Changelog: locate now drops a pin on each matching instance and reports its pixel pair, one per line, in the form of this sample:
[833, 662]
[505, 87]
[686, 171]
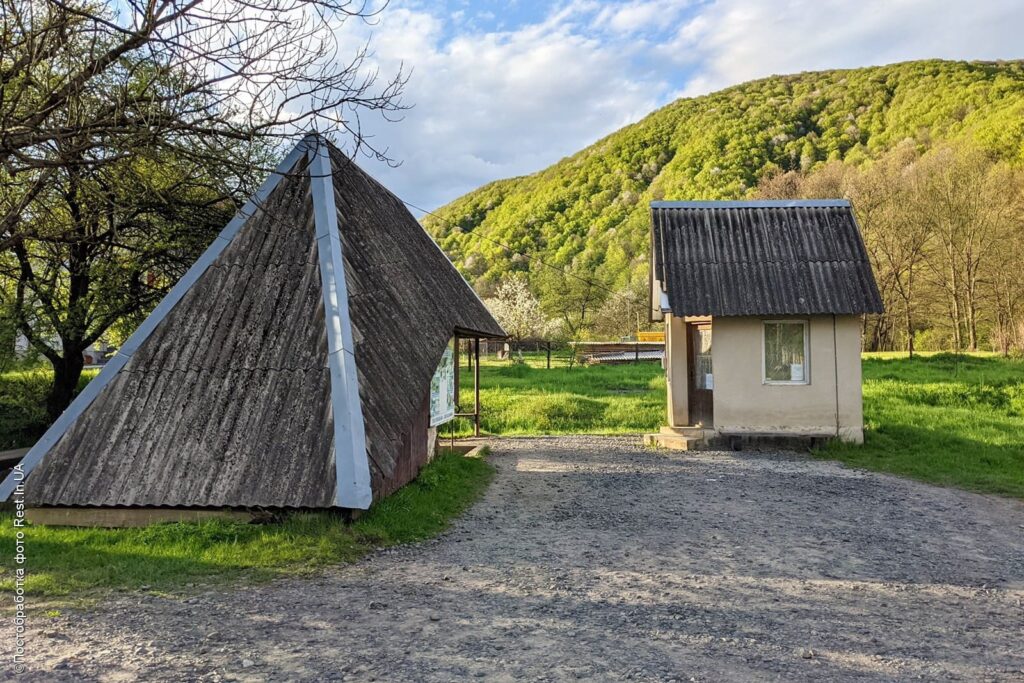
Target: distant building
[290, 368]
[780, 287]
[96, 354]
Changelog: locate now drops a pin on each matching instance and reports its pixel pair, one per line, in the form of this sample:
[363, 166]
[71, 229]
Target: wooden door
[702, 381]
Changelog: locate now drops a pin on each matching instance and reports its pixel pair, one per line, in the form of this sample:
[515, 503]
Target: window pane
[784, 352]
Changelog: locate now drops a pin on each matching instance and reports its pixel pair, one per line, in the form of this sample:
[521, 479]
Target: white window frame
[807, 353]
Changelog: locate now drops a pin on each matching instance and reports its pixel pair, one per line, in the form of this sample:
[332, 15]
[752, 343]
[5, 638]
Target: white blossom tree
[518, 310]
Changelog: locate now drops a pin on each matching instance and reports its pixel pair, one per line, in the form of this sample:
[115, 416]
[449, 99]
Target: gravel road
[594, 559]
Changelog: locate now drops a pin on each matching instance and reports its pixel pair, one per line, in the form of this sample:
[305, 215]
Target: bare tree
[896, 241]
[128, 134]
[184, 75]
[1004, 277]
[966, 200]
[624, 312]
[571, 297]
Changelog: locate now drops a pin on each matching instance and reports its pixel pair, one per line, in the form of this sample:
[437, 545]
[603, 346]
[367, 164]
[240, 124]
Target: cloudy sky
[507, 87]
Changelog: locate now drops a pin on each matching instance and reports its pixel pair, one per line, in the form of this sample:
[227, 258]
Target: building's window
[785, 352]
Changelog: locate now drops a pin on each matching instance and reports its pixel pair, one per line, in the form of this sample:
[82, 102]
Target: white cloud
[508, 101]
[638, 15]
[497, 104]
[737, 40]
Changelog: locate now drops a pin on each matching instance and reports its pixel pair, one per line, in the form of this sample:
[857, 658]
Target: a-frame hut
[290, 367]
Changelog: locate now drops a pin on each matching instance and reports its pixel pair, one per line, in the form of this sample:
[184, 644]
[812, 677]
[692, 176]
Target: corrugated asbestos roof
[762, 258]
[229, 394]
[405, 300]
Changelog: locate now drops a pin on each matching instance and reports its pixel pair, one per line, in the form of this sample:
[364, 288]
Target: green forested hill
[589, 211]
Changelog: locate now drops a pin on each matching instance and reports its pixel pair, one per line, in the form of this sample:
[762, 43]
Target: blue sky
[507, 88]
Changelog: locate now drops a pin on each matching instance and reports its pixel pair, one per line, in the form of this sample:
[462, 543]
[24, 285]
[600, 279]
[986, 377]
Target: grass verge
[953, 420]
[73, 565]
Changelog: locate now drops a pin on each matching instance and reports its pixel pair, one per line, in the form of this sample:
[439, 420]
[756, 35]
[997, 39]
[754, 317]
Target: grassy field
[521, 399]
[942, 418]
[69, 565]
[945, 419]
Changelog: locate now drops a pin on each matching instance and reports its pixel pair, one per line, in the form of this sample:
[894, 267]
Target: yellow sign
[650, 337]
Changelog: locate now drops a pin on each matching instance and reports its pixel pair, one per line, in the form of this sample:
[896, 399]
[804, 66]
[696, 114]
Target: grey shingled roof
[761, 258]
[288, 368]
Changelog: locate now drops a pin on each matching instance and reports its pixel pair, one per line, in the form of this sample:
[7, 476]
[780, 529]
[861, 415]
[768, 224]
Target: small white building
[762, 304]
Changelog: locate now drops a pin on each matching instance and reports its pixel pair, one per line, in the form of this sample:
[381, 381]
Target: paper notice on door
[796, 372]
[709, 381]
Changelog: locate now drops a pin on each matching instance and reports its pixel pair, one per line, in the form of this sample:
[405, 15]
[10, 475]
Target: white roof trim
[166, 305]
[351, 462]
[753, 204]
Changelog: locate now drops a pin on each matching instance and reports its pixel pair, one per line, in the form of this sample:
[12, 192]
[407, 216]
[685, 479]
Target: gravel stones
[592, 558]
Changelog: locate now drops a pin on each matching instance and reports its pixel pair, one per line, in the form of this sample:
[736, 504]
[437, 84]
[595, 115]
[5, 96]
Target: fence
[555, 354]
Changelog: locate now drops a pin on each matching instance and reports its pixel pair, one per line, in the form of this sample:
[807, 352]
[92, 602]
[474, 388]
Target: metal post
[458, 344]
[476, 386]
[548, 345]
[636, 354]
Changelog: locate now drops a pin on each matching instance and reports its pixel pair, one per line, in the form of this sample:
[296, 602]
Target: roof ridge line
[351, 460]
[751, 204]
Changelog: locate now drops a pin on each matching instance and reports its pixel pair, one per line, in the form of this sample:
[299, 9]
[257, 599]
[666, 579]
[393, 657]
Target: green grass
[954, 420]
[944, 419]
[72, 564]
[523, 399]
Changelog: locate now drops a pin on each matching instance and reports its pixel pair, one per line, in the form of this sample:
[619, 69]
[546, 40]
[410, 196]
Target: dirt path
[590, 558]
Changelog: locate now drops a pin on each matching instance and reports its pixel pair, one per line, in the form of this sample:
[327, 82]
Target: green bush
[23, 417]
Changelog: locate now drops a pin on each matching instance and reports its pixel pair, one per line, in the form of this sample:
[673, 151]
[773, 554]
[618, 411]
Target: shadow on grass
[993, 463]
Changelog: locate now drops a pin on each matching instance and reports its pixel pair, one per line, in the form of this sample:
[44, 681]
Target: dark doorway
[702, 382]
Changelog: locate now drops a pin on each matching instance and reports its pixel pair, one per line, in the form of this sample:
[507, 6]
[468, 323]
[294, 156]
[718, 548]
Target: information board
[442, 389]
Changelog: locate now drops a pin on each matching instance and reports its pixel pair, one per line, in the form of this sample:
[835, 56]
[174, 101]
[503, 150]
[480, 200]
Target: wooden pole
[476, 386]
[548, 345]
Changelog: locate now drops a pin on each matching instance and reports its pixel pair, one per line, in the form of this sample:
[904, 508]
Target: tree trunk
[972, 326]
[954, 312]
[910, 331]
[67, 370]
